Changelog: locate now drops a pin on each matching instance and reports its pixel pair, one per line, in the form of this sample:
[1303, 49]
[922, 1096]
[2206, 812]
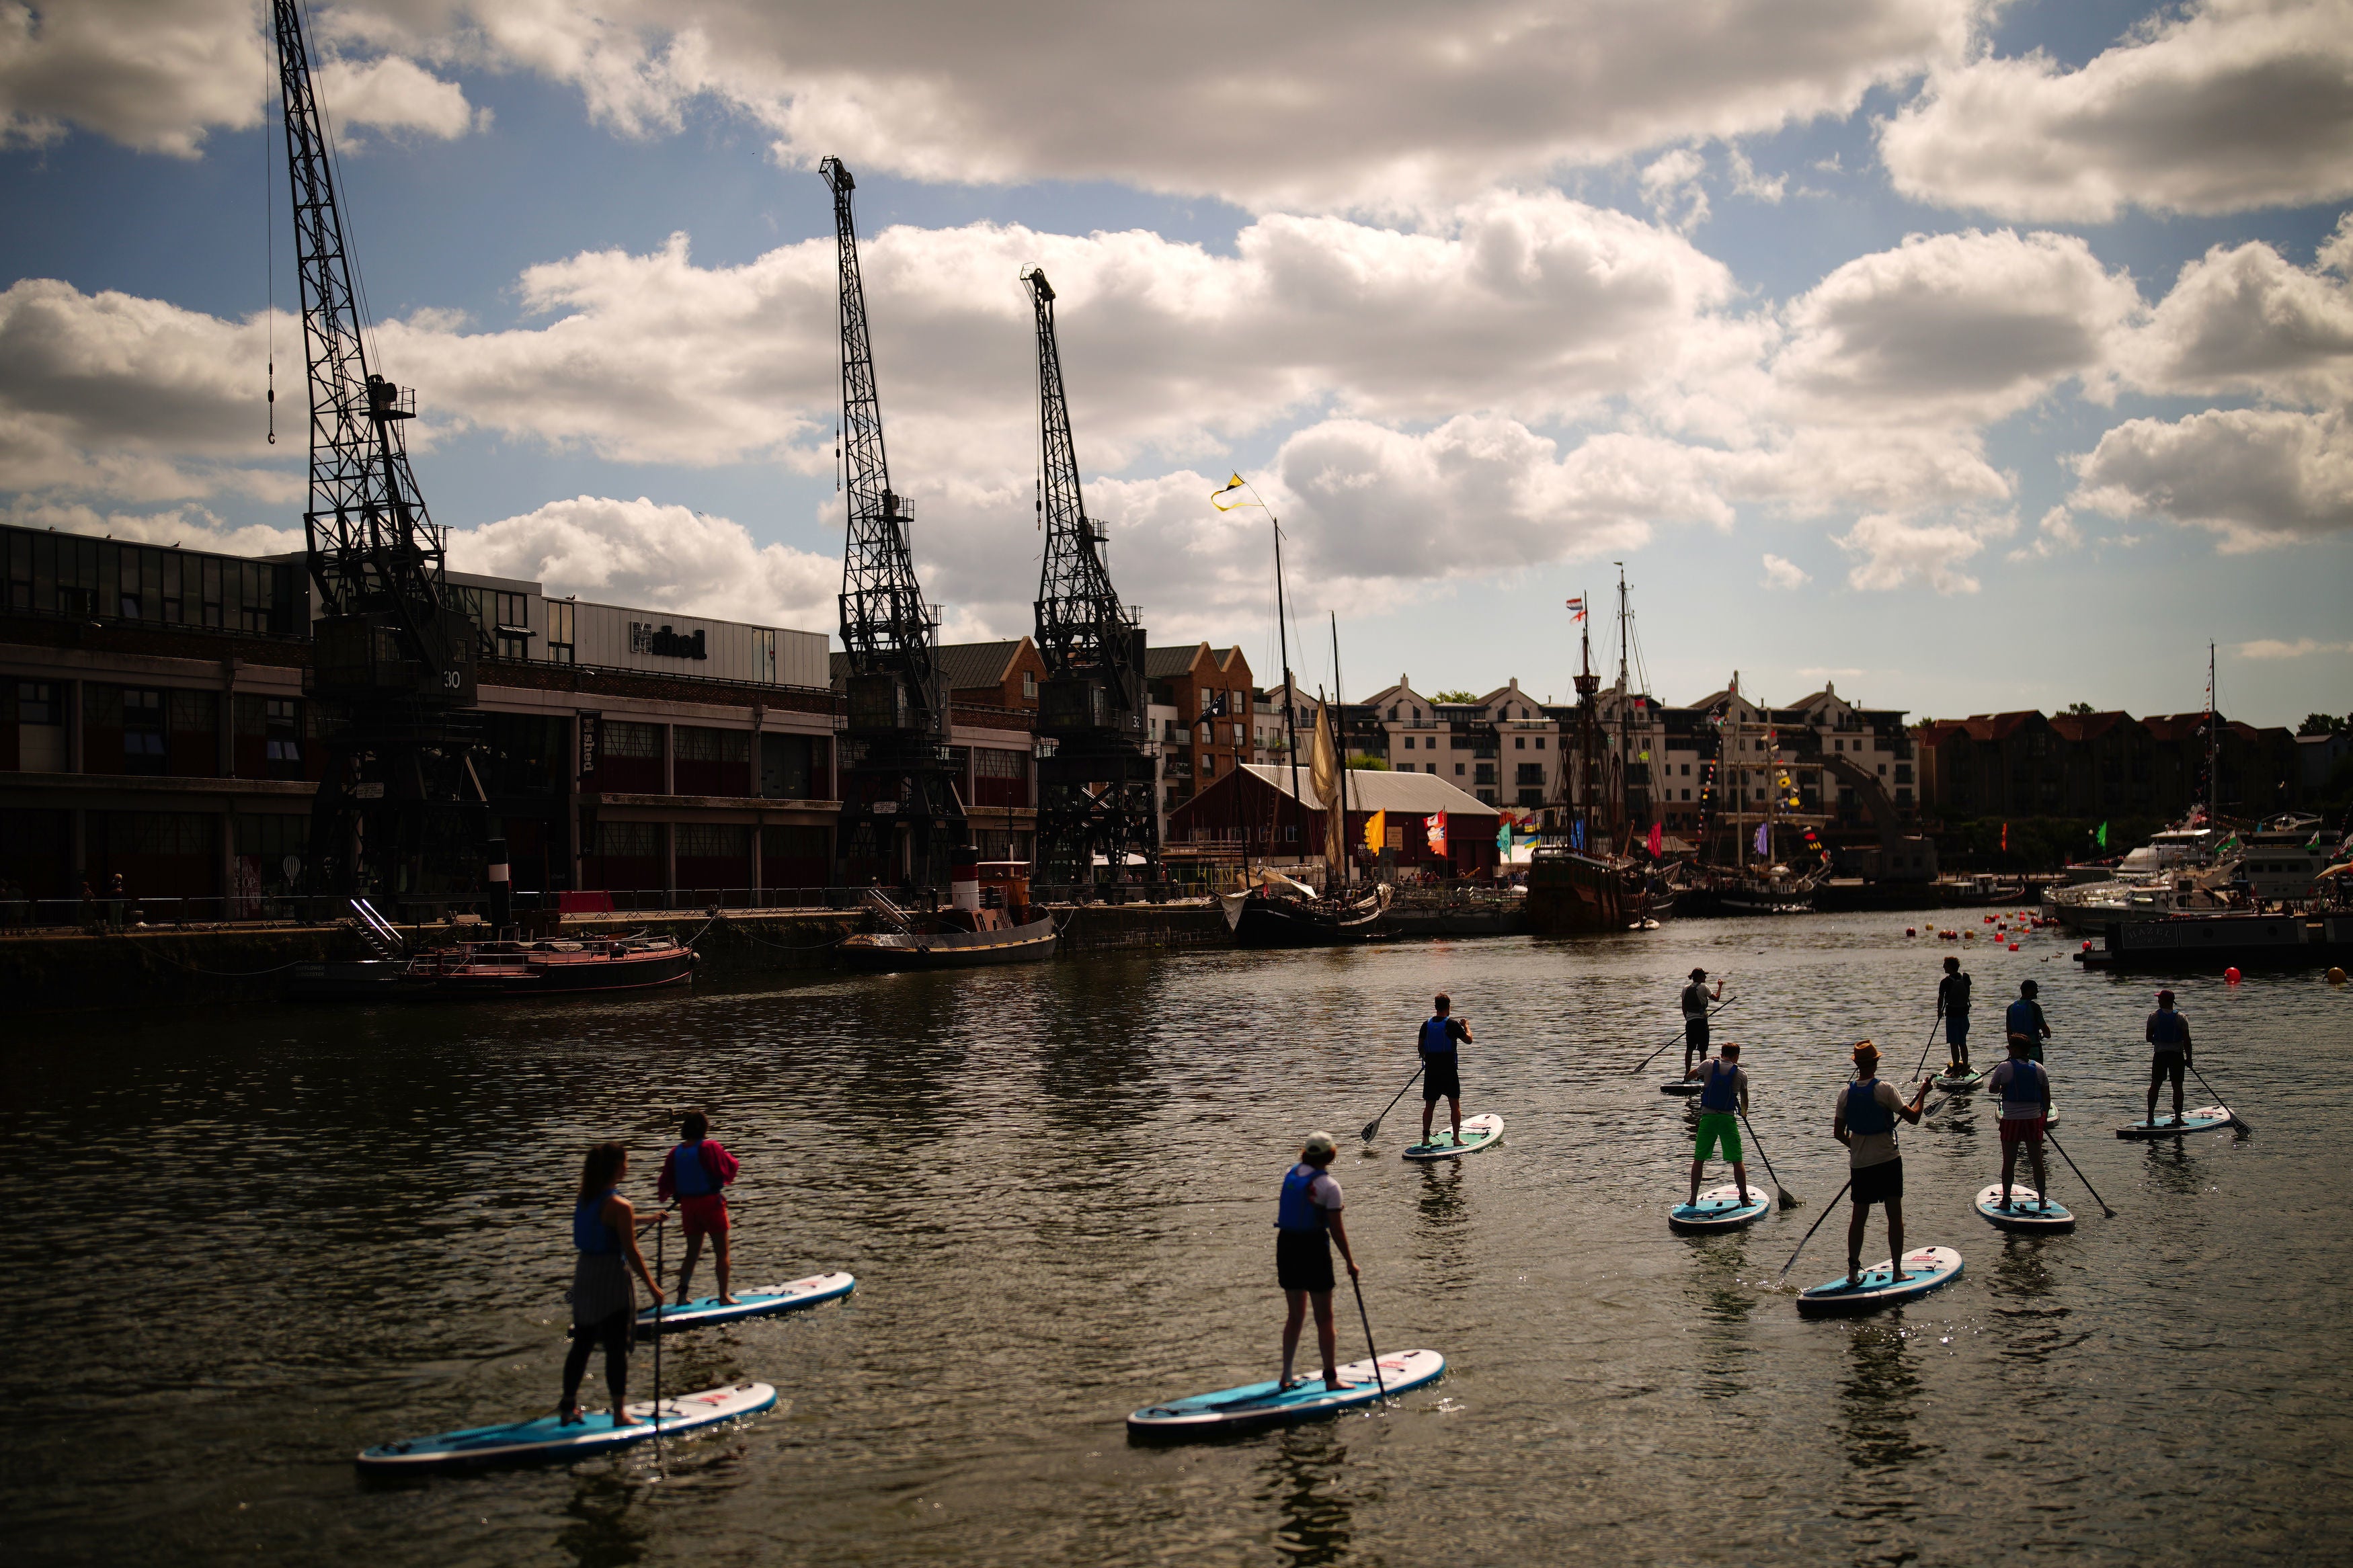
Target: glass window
[37, 703]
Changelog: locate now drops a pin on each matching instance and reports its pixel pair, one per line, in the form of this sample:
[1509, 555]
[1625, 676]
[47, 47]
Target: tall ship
[1576, 883]
[1741, 870]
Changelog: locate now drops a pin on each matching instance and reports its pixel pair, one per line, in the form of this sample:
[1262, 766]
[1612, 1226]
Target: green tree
[1365, 762]
[2081, 708]
[1454, 697]
[2321, 724]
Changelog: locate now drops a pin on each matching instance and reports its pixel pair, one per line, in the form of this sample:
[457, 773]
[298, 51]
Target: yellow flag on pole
[1230, 486]
[1377, 832]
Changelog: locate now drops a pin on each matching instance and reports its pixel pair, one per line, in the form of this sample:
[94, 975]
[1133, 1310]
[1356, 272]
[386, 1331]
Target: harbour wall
[169, 966]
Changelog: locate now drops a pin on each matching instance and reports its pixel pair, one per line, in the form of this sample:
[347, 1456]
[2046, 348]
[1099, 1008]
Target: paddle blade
[1372, 1129]
[1787, 1200]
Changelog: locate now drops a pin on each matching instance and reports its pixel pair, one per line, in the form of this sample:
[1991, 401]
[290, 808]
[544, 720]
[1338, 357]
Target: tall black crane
[1095, 789]
[401, 807]
[901, 816]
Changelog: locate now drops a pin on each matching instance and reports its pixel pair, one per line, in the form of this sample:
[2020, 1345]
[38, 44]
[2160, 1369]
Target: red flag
[2005, 838]
[1435, 826]
[1658, 838]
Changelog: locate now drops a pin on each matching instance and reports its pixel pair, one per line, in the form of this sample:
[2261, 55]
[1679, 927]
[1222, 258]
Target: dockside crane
[401, 809]
[1095, 789]
[901, 818]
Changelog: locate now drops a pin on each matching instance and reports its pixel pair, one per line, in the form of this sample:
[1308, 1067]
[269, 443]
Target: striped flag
[1576, 608]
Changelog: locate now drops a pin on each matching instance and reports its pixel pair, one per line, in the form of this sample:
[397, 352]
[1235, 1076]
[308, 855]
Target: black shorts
[1878, 1183]
[1696, 1034]
[1303, 1259]
[2164, 1065]
[1441, 1078]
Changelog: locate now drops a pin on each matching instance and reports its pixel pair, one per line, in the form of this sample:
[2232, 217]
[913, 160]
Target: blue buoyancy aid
[2168, 1030]
[1299, 1211]
[689, 1176]
[2023, 1091]
[2025, 1017]
[1719, 1090]
[1435, 1039]
[589, 1231]
[1863, 1111]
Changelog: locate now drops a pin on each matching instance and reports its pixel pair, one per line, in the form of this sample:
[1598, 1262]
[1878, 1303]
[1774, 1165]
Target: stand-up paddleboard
[547, 1440]
[1263, 1404]
[1681, 1086]
[1720, 1208]
[1478, 1131]
[2205, 1119]
[708, 1311]
[1928, 1267]
[1961, 1082]
[2029, 1210]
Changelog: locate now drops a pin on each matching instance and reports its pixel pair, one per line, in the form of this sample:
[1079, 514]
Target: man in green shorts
[1723, 1092]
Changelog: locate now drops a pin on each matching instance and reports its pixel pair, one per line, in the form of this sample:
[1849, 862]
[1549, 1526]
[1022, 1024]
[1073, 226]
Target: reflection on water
[1305, 1477]
[323, 1229]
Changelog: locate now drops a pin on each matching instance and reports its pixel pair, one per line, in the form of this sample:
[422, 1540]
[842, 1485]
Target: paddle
[1929, 1042]
[2236, 1120]
[1373, 1128]
[1810, 1229]
[660, 1231]
[1378, 1381]
[1786, 1199]
[1712, 1011]
[2104, 1209]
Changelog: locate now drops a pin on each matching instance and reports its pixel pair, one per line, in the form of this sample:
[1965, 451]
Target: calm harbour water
[250, 1242]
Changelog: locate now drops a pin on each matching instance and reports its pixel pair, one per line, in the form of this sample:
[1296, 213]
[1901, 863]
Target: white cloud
[2244, 319]
[2056, 533]
[192, 526]
[655, 557]
[2256, 477]
[1748, 182]
[395, 94]
[1672, 189]
[2230, 105]
[1783, 573]
[1893, 550]
[2301, 648]
[1319, 104]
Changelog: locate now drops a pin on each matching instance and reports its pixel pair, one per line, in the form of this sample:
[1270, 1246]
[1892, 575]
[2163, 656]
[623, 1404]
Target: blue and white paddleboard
[546, 1440]
[1926, 1268]
[1263, 1404]
[792, 1298]
[1720, 1208]
[2205, 1119]
[1478, 1131]
[2029, 1210]
[1961, 1082]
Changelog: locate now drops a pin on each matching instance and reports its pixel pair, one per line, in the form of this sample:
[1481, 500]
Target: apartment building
[2103, 764]
[154, 726]
[1205, 718]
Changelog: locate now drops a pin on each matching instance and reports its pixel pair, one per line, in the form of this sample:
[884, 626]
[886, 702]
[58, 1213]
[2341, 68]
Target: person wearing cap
[1953, 1007]
[1695, 1001]
[1723, 1102]
[2169, 1041]
[1865, 1123]
[2025, 1020]
[1306, 1223]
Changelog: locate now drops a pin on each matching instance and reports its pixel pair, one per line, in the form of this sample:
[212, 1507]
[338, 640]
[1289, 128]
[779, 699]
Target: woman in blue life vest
[1442, 1070]
[1723, 1100]
[1306, 1222]
[2168, 1045]
[2025, 1091]
[1865, 1123]
[604, 1304]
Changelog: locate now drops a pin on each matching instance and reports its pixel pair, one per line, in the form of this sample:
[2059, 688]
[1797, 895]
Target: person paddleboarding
[2168, 1043]
[1441, 1074]
[1865, 1123]
[1723, 1102]
[1306, 1222]
[2025, 1020]
[1695, 998]
[604, 1301]
[696, 1173]
[1953, 1007]
[2024, 1087]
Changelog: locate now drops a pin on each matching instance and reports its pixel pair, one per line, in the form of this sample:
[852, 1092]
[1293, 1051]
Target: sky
[1970, 355]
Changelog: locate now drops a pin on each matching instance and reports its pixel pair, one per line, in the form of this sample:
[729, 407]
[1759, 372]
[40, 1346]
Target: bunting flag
[1658, 838]
[2100, 837]
[1504, 837]
[1227, 487]
[2005, 838]
[1576, 608]
[1764, 839]
[1577, 836]
[1435, 828]
[1376, 831]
